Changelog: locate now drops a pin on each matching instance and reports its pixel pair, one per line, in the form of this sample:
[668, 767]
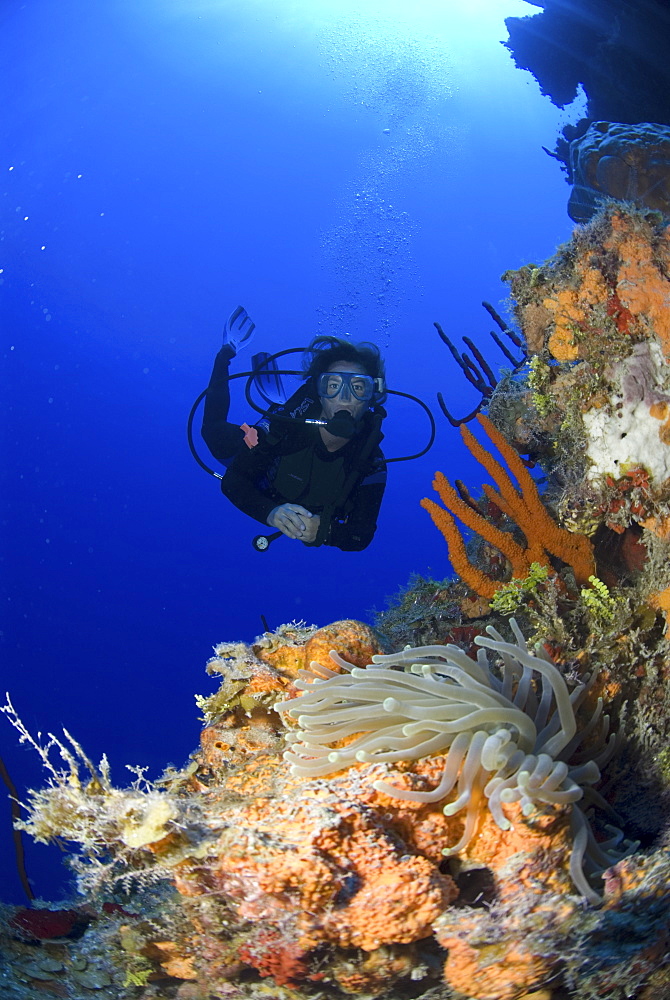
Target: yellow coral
[661, 602]
[644, 290]
[661, 411]
[566, 312]
[569, 308]
[641, 284]
[288, 657]
[146, 821]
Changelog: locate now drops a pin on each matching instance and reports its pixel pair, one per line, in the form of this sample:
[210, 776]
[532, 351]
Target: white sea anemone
[510, 738]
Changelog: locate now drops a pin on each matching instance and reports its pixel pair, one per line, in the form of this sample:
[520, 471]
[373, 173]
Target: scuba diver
[312, 467]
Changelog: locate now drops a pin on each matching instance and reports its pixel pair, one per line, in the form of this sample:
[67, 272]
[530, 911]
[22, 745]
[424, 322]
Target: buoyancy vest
[310, 477]
[318, 480]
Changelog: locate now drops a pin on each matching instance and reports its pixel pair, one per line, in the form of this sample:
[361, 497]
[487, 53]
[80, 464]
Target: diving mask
[349, 385]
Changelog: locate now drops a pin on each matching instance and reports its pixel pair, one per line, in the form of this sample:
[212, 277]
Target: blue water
[361, 174]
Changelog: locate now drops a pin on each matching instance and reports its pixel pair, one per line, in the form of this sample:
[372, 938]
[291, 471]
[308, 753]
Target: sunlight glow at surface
[478, 16]
[478, 20]
[399, 9]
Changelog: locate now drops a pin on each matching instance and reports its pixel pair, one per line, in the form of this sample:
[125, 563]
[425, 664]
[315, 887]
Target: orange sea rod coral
[544, 537]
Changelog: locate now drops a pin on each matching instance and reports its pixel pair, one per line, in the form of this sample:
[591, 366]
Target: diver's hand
[312, 529]
[294, 521]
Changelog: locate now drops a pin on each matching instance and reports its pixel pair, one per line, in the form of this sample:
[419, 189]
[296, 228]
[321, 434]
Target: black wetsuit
[223, 439]
[290, 464]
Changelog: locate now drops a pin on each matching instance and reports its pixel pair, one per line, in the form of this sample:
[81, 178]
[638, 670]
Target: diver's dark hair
[326, 351]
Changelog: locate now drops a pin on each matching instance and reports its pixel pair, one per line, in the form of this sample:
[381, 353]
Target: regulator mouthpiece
[341, 424]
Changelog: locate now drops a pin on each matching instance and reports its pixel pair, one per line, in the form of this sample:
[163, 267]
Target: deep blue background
[357, 174]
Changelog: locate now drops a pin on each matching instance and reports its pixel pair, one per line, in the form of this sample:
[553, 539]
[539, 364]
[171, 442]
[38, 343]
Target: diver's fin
[239, 329]
[266, 380]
